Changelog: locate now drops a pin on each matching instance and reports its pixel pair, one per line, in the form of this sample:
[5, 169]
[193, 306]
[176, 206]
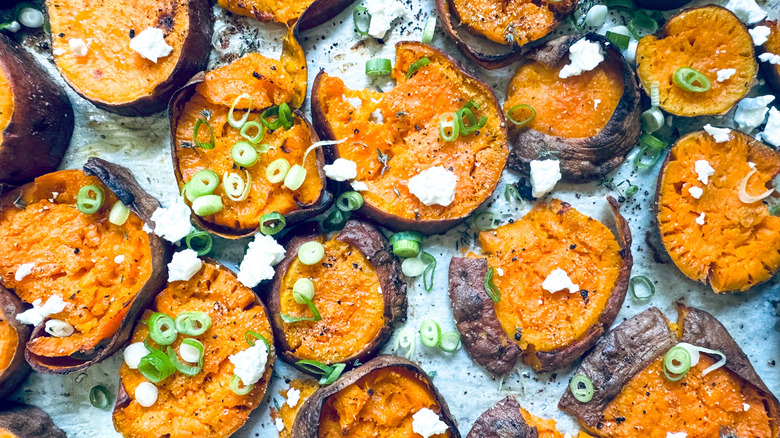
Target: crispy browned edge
[503, 420]
[26, 421]
[307, 211]
[662, 5]
[636, 343]
[319, 12]
[123, 398]
[193, 58]
[35, 140]
[18, 369]
[590, 158]
[385, 219]
[307, 421]
[123, 184]
[657, 198]
[770, 71]
[369, 241]
[488, 343]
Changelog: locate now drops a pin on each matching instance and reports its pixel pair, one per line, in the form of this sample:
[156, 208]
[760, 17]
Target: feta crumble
[59, 51]
[721, 135]
[427, 423]
[146, 394]
[58, 329]
[559, 280]
[150, 44]
[359, 186]
[24, 270]
[356, 102]
[279, 424]
[184, 264]
[676, 435]
[293, 397]
[745, 407]
[700, 219]
[544, 175]
[500, 272]
[760, 35]
[703, 171]
[249, 365]
[172, 223]
[726, 74]
[134, 353]
[584, 55]
[39, 312]
[751, 112]
[119, 259]
[596, 103]
[696, 192]
[262, 254]
[78, 47]
[770, 58]
[746, 10]
[772, 128]
[434, 186]
[341, 170]
[383, 14]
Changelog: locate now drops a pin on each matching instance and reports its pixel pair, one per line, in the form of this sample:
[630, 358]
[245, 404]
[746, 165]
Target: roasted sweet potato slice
[91, 47]
[203, 404]
[549, 329]
[287, 413]
[716, 237]
[632, 397]
[706, 39]
[589, 122]
[25, 421]
[379, 398]
[36, 119]
[359, 293]
[493, 33]
[307, 13]
[507, 419]
[394, 136]
[106, 274]
[772, 45]
[13, 337]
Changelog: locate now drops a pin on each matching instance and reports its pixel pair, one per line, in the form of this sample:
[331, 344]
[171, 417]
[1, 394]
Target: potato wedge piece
[771, 71]
[24, 421]
[91, 47]
[305, 14]
[13, 337]
[507, 419]
[548, 329]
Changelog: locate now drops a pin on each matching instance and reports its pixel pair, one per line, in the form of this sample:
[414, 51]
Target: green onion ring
[272, 223]
[207, 205]
[378, 67]
[618, 39]
[244, 154]
[430, 269]
[238, 124]
[420, 63]
[254, 139]
[310, 253]
[295, 177]
[162, 329]
[653, 154]
[334, 375]
[303, 290]
[492, 290]
[196, 131]
[286, 116]
[203, 183]
[187, 370]
[413, 267]
[250, 335]
[406, 248]
[522, 122]
[268, 113]
[156, 366]
[687, 78]
[406, 340]
[641, 20]
[99, 397]
[581, 388]
[487, 221]
[355, 16]
[512, 195]
[449, 121]
[652, 120]
[335, 220]
[193, 323]
[406, 235]
[465, 114]
[119, 214]
[652, 142]
[314, 367]
[237, 188]
[450, 342]
[349, 201]
[90, 199]
[236, 385]
[647, 284]
[200, 242]
[277, 170]
[430, 333]
[655, 94]
[677, 363]
[429, 30]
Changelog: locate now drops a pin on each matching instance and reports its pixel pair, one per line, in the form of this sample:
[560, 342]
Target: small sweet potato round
[507, 419]
[341, 409]
[359, 292]
[13, 337]
[305, 14]
[111, 75]
[707, 39]
[394, 136]
[75, 257]
[36, 119]
[24, 421]
[589, 122]
[737, 245]
[772, 45]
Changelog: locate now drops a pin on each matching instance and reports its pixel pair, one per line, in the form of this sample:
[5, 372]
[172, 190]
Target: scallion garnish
[328, 373]
[641, 20]
[652, 120]
[200, 242]
[581, 388]
[306, 300]
[295, 177]
[420, 63]
[349, 201]
[406, 248]
[238, 388]
[677, 363]
[277, 170]
[187, 370]
[272, 223]
[487, 221]
[691, 80]
[203, 183]
[467, 121]
[428, 30]
[492, 290]
[512, 196]
[652, 142]
[303, 291]
[450, 342]
[510, 115]
[259, 134]
[449, 127]
[655, 94]
[250, 336]
[413, 267]
[406, 235]
[244, 154]
[207, 205]
[162, 329]
[378, 67]
[632, 190]
[119, 214]
[99, 397]
[238, 124]
[646, 158]
[156, 366]
[430, 268]
[356, 18]
[335, 220]
[236, 187]
[310, 253]
[90, 199]
[619, 39]
[193, 323]
[430, 333]
[405, 340]
[282, 115]
[196, 131]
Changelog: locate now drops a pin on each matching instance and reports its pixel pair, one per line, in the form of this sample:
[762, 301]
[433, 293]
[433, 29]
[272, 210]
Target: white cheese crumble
[745, 407]
[544, 175]
[341, 170]
[119, 259]
[500, 272]
[134, 353]
[262, 254]
[249, 365]
[760, 35]
[596, 16]
[751, 112]
[172, 223]
[700, 219]
[78, 47]
[359, 186]
[356, 102]
[434, 186]
[676, 435]
[150, 44]
[596, 103]
[696, 192]
[770, 58]
[703, 171]
[58, 329]
[726, 74]
[184, 264]
[383, 13]
[59, 51]
[279, 424]
[293, 397]
[427, 423]
[146, 394]
[772, 128]
[584, 55]
[559, 280]
[377, 117]
[39, 312]
[746, 10]
[721, 135]
[24, 270]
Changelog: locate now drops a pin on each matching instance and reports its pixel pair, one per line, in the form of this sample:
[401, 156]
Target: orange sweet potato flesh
[75, 256]
[204, 404]
[6, 102]
[737, 247]
[306, 387]
[545, 428]
[285, 11]
[8, 342]
[707, 39]
[380, 404]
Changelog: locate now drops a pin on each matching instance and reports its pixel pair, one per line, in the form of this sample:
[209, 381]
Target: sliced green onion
[406, 340]
[259, 135]
[677, 363]
[619, 39]
[244, 154]
[334, 375]
[238, 124]
[162, 329]
[272, 223]
[691, 80]
[156, 366]
[303, 290]
[655, 94]
[119, 214]
[521, 107]
[315, 313]
[413, 267]
[466, 114]
[625, 5]
[187, 370]
[406, 235]
[492, 290]
[430, 269]
[652, 142]
[90, 199]
[349, 201]
[193, 323]
[203, 183]
[251, 335]
[420, 63]
[581, 388]
[721, 361]
[428, 30]
[647, 284]
[237, 188]
[196, 131]
[295, 177]
[641, 20]
[335, 220]
[310, 253]
[487, 221]
[632, 190]
[647, 157]
[207, 205]
[200, 242]
[406, 248]
[774, 210]
[430, 333]
[379, 67]
[449, 127]
[329, 374]
[512, 195]
[652, 120]
[99, 397]
[238, 388]
[277, 170]
[450, 342]
[282, 115]
[362, 30]
[286, 116]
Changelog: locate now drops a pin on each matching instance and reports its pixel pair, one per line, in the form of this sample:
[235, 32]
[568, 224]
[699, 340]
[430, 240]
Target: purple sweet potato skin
[503, 420]
[18, 369]
[25, 421]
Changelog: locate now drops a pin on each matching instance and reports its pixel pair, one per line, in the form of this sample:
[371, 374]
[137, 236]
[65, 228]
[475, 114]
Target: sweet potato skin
[503, 420]
[307, 421]
[662, 5]
[26, 421]
[35, 140]
[18, 369]
[590, 158]
[319, 12]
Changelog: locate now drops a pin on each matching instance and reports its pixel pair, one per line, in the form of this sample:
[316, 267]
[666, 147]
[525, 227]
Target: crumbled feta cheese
[183, 265]
[249, 365]
[751, 112]
[383, 13]
[544, 175]
[59, 51]
[377, 117]
[596, 16]
[720, 135]
[359, 186]
[771, 132]
[770, 58]
[150, 44]
[559, 280]
[146, 394]
[596, 103]
[745, 407]
[584, 55]
[726, 73]
[39, 312]
[341, 170]
[23, 271]
[293, 397]
[676, 435]
[279, 424]
[427, 423]
[58, 329]
[746, 10]
[119, 259]
[500, 272]
[172, 223]
[703, 171]
[262, 254]
[434, 186]
[760, 35]
[696, 192]
[134, 353]
[700, 219]
[356, 102]
[189, 353]
[78, 47]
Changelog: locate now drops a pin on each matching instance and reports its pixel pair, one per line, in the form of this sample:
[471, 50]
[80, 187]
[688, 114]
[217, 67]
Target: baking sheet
[142, 144]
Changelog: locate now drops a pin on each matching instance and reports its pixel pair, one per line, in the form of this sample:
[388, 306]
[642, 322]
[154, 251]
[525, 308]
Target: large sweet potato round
[772, 45]
[718, 238]
[36, 119]
[13, 337]
[25, 421]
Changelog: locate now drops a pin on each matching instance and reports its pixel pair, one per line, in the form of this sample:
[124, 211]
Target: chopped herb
[383, 158]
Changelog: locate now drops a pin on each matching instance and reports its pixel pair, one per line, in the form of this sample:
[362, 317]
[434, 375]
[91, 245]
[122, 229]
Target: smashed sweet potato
[203, 404]
[589, 121]
[508, 419]
[307, 13]
[287, 413]
[549, 329]
[395, 136]
[13, 337]
[359, 293]
[25, 421]
[772, 45]
[706, 39]
[718, 238]
[115, 77]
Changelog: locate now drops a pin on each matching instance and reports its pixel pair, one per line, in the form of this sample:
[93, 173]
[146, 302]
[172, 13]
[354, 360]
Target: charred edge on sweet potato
[772, 45]
[359, 291]
[121, 80]
[361, 400]
[204, 404]
[738, 246]
[24, 421]
[405, 140]
[588, 122]
[632, 396]
[305, 14]
[508, 419]
[707, 39]
[287, 414]
[13, 337]
[36, 118]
